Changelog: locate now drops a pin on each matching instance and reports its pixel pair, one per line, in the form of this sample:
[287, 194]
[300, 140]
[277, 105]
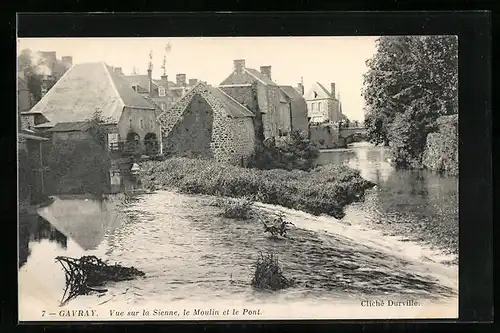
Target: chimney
[192, 82]
[180, 79]
[300, 87]
[266, 70]
[332, 87]
[67, 61]
[239, 65]
[118, 70]
[150, 77]
[164, 79]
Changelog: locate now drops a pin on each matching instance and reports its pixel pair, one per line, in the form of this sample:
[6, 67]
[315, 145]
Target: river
[399, 243]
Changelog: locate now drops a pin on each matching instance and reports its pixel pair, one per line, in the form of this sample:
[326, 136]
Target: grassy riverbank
[324, 190]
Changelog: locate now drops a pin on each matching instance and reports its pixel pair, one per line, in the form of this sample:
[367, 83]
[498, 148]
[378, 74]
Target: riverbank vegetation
[80, 166]
[441, 151]
[411, 82]
[240, 208]
[323, 190]
[291, 152]
[268, 274]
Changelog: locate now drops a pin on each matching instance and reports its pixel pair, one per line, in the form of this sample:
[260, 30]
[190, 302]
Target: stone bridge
[351, 131]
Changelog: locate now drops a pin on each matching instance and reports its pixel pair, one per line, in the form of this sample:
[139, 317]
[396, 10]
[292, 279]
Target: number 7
[43, 313]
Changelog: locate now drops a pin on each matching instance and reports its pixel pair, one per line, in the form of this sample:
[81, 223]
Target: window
[313, 105]
[142, 124]
[319, 107]
[161, 91]
[162, 106]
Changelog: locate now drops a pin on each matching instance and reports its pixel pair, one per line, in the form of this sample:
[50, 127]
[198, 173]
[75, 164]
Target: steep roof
[291, 92]
[70, 127]
[318, 91]
[248, 76]
[86, 88]
[139, 79]
[30, 135]
[260, 76]
[213, 96]
[232, 106]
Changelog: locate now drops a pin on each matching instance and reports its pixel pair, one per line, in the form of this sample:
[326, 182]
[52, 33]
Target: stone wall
[139, 121]
[192, 134]
[271, 119]
[441, 151]
[232, 139]
[326, 136]
[242, 94]
[299, 115]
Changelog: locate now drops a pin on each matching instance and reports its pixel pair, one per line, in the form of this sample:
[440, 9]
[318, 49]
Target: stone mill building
[208, 123]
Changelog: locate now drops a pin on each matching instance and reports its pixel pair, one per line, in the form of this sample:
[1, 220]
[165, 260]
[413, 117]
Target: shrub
[240, 209]
[294, 151]
[268, 274]
[325, 190]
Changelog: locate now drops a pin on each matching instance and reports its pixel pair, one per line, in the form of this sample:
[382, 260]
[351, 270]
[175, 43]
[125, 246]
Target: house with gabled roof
[208, 123]
[323, 104]
[271, 101]
[89, 87]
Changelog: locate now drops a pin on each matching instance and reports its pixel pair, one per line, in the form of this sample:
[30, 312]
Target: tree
[31, 64]
[411, 81]
[81, 165]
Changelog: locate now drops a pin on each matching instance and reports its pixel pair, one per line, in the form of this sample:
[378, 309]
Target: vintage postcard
[248, 178]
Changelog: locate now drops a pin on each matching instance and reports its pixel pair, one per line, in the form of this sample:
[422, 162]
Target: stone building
[323, 104]
[130, 120]
[208, 123]
[90, 87]
[272, 101]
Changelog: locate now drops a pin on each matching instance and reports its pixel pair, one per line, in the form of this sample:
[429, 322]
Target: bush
[291, 152]
[441, 151]
[241, 209]
[78, 167]
[268, 274]
[324, 190]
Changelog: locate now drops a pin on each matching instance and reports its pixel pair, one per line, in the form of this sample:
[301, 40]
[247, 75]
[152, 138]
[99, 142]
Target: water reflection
[418, 204]
[84, 220]
[33, 228]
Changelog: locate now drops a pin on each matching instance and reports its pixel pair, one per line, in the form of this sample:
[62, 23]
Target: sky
[315, 59]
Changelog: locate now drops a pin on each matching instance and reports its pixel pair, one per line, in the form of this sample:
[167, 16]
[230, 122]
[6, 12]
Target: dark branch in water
[88, 272]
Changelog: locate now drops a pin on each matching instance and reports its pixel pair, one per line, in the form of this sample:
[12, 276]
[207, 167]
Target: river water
[399, 243]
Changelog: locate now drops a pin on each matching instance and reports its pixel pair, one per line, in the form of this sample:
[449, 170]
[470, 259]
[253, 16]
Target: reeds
[268, 274]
